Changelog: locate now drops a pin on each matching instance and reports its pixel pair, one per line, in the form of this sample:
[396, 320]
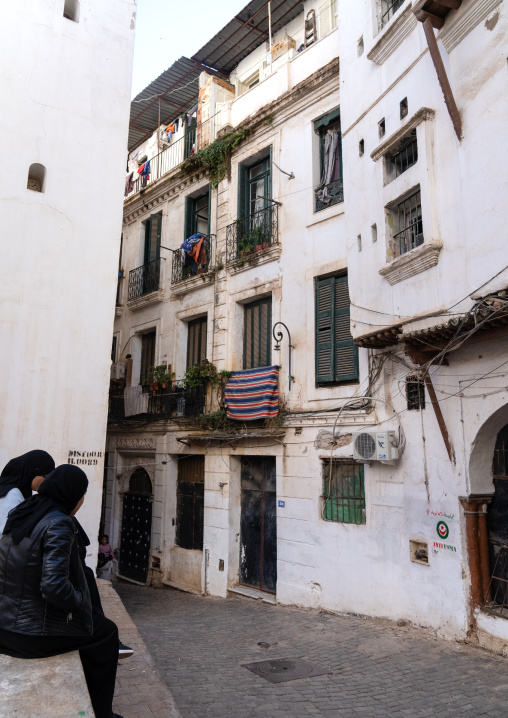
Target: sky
[167, 30]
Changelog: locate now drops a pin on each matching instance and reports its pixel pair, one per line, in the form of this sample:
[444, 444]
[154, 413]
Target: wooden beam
[440, 418]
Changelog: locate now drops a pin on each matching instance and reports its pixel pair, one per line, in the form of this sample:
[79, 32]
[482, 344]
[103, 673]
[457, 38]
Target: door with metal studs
[136, 527]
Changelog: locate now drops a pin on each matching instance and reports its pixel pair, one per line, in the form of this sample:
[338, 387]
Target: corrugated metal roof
[245, 32]
[177, 87]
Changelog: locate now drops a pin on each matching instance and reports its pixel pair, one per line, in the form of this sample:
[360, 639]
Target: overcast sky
[167, 30]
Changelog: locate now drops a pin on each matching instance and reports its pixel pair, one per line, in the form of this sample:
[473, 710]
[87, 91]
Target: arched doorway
[497, 523]
[136, 527]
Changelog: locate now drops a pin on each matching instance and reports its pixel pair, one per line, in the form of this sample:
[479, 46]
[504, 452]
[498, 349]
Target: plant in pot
[159, 376]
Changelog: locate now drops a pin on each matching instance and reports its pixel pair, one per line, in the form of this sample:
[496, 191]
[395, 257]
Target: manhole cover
[285, 669]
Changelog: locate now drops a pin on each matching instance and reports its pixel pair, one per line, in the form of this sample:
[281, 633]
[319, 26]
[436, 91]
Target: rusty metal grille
[415, 392]
[500, 466]
[409, 222]
[343, 498]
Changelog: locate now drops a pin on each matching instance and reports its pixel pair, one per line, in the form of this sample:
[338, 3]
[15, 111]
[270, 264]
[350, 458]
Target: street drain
[281, 670]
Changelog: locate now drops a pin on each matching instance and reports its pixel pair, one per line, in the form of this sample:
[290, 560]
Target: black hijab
[62, 490]
[19, 473]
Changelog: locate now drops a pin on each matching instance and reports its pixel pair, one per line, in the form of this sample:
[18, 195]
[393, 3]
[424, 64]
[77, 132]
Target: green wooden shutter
[209, 206]
[158, 218]
[346, 353]
[189, 217]
[325, 298]
[242, 192]
[153, 237]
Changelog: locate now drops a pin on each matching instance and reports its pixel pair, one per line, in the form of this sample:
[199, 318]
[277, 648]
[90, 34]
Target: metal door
[136, 529]
[258, 523]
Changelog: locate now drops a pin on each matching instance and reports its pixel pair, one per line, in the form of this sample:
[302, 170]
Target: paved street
[376, 669]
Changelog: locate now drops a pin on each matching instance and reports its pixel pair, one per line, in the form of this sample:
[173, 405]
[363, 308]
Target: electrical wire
[165, 94]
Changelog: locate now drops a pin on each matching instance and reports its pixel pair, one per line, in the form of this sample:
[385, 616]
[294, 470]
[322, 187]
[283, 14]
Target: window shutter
[209, 207]
[324, 329]
[189, 216]
[257, 334]
[346, 353]
[242, 192]
[327, 17]
[158, 219]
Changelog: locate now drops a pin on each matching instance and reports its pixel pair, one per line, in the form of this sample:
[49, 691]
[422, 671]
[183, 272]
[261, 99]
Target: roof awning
[245, 32]
[177, 89]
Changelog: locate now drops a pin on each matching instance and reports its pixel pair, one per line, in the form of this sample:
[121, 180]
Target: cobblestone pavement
[376, 669]
[139, 692]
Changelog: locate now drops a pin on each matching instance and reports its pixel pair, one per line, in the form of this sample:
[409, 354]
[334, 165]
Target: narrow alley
[373, 668]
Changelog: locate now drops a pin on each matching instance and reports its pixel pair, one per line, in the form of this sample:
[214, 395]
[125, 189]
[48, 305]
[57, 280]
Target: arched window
[140, 483]
[36, 177]
[71, 10]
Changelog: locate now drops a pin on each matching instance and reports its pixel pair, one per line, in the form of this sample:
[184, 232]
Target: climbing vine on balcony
[216, 158]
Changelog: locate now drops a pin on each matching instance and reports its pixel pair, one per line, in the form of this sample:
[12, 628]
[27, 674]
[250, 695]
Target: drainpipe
[475, 512]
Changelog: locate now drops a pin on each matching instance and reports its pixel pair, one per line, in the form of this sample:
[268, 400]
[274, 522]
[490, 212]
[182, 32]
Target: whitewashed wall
[66, 88]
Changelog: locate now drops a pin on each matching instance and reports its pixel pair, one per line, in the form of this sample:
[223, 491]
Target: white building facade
[353, 214]
[65, 75]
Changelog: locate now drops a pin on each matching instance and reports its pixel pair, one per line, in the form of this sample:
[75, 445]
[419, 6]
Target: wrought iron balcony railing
[174, 402]
[255, 233]
[145, 279]
[184, 267]
[332, 193]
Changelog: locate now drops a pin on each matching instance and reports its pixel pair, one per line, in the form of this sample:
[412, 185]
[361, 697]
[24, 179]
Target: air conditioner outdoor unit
[118, 370]
[375, 446]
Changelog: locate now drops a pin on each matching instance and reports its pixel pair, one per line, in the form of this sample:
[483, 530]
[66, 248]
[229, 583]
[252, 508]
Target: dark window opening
[330, 190]
[196, 341]
[336, 353]
[382, 127]
[360, 47]
[388, 9]
[408, 218]
[343, 492]
[257, 334]
[113, 349]
[361, 148]
[190, 502]
[403, 108]
[36, 177]
[147, 357]
[415, 392]
[404, 157]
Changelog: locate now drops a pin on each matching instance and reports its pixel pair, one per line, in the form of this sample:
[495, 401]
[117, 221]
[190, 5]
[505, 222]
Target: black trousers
[98, 653]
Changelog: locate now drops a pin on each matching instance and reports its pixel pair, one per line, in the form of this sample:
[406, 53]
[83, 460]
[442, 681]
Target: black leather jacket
[37, 595]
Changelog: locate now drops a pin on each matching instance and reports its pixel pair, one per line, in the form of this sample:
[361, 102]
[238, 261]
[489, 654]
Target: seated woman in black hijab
[20, 477]
[45, 602]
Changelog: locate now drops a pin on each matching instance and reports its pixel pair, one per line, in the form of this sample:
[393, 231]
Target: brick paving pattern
[377, 669]
[139, 691]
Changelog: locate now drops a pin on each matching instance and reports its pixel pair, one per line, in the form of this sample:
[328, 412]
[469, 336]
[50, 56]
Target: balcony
[253, 236]
[332, 194]
[172, 403]
[185, 268]
[145, 285]
[174, 154]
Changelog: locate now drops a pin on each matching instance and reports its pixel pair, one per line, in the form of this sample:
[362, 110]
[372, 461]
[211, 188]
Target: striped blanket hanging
[253, 394]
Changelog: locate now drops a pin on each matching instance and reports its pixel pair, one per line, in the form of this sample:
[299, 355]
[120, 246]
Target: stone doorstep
[253, 593]
[44, 688]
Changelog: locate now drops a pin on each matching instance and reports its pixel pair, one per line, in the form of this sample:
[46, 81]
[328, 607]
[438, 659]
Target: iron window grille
[415, 392]
[343, 499]
[388, 10]
[403, 158]
[408, 217]
[498, 586]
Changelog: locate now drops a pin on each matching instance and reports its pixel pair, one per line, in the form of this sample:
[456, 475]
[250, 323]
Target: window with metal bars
[415, 392]
[343, 492]
[196, 341]
[388, 10]
[190, 502]
[404, 157]
[336, 353]
[408, 223]
[257, 331]
[147, 357]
